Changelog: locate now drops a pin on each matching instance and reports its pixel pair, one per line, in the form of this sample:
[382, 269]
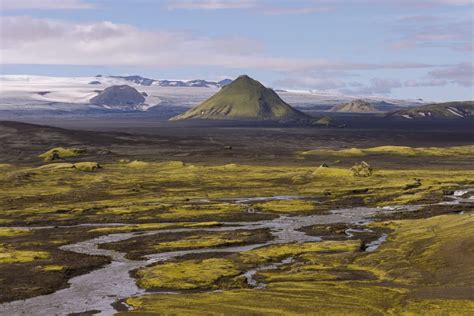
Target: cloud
[455, 33]
[376, 86]
[259, 6]
[303, 6]
[425, 83]
[461, 74]
[211, 4]
[27, 40]
[45, 4]
[311, 83]
[289, 10]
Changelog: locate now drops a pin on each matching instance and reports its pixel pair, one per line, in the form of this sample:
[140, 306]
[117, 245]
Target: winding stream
[99, 289]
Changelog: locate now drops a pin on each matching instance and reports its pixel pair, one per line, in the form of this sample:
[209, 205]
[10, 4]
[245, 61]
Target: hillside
[245, 99]
[121, 97]
[448, 110]
[356, 106]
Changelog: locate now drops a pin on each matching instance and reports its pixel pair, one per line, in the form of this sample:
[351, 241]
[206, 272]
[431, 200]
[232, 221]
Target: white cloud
[259, 6]
[376, 86]
[460, 74]
[27, 40]
[454, 32]
[296, 10]
[302, 6]
[211, 4]
[45, 4]
[311, 83]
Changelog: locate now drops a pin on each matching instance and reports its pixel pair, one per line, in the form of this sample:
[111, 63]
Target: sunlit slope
[244, 99]
[448, 110]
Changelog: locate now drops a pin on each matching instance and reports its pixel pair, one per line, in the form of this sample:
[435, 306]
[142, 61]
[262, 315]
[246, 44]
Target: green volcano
[245, 99]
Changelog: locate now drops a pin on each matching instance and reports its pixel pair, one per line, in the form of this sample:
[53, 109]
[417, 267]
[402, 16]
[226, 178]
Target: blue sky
[397, 48]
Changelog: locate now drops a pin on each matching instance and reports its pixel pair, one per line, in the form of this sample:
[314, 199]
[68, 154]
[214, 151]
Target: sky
[409, 49]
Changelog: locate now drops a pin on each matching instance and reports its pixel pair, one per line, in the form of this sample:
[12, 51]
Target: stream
[98, 290]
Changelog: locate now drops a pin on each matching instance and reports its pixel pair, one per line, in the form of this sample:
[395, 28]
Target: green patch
[57, 166]
[10, 232]
[395, 150]
[185, 275]
[53, 268]
[87, 166]
[277, 252]
[9, 255]
[61, 153]
[286, 206]
[152, 226]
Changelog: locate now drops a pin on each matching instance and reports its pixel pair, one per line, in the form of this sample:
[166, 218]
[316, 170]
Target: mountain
[137, 80]
[197, 83]
[448, 110]
[224, 82]
[356, 106]
[245, 99]
[119, 97]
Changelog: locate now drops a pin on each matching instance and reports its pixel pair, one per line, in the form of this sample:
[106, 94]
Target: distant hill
[136, 80]
[356, 106]
[198, 83]
[245, 99]
[448, 110]
[119, 97]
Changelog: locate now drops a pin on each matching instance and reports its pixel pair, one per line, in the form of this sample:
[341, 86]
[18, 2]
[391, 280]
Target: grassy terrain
[395, 150]
[424, 267]
[147, 195]
[186, 275]
[60, 153]
[140, 246]
[176, 192]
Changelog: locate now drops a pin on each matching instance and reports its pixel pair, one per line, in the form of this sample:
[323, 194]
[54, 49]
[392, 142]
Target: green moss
[425, 266]
[187, 212]
[325, 120]
[188, 274]
[60, 153]
[217, 239]
[283, 298]
[10, 255]
[436, 307]
[53, 268]
[332, 172]
[286, 206]
[425, 252]
[152, 226]
[395, 150]
[87, 166]
[57, 166]
[10, 232]
[137, 164]
[276, 252]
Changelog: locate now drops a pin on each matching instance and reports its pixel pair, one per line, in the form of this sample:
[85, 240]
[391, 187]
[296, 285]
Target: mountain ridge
[445, 110]
[356, 106]
[245, 99]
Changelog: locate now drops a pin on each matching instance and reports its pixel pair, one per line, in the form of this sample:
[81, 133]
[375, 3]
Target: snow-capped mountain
[29, 94]
[142, 81]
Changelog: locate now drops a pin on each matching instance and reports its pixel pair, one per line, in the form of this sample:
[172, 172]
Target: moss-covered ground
[424, 266]
[177, 192]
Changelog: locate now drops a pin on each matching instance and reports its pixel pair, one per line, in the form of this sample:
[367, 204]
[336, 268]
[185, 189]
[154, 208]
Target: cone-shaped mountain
[245, 99]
